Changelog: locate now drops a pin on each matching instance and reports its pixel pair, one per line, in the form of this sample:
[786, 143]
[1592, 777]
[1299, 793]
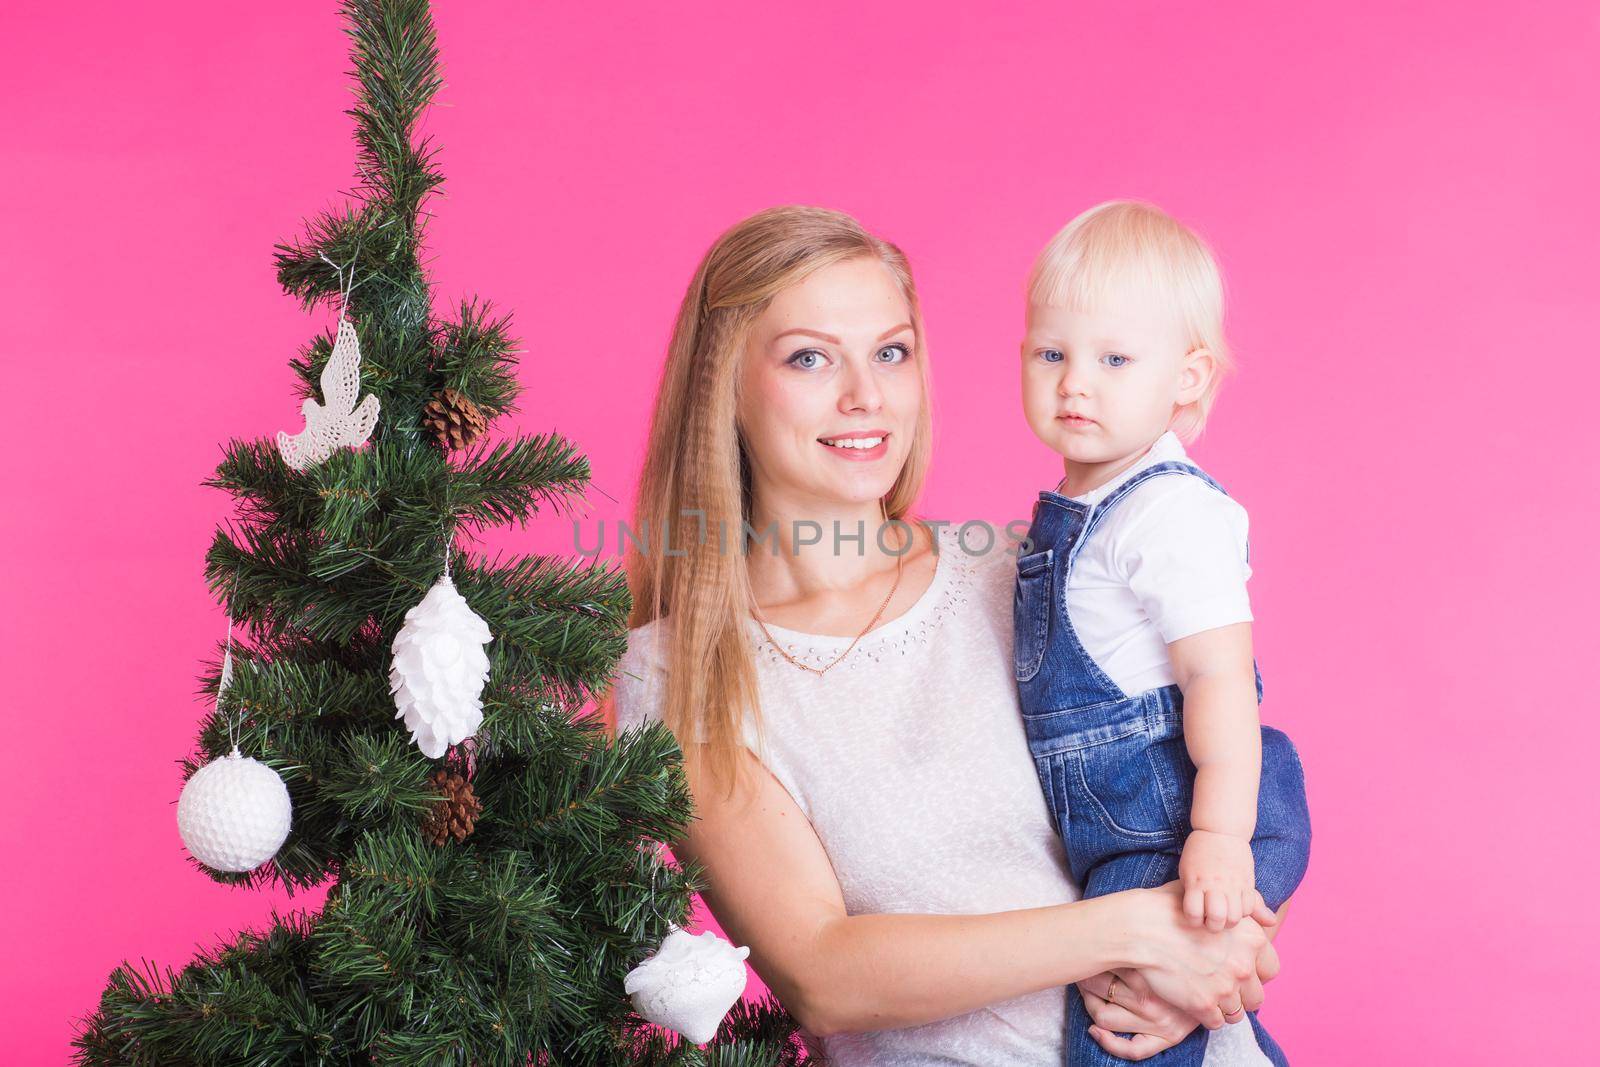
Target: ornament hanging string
[227, 655]
[226, 678]
[345, 288]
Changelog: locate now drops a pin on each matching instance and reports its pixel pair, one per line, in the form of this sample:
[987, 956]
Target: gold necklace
[899, 569]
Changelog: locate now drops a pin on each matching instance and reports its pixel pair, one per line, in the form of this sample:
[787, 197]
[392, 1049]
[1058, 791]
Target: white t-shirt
[910, 763]
[1170, 560]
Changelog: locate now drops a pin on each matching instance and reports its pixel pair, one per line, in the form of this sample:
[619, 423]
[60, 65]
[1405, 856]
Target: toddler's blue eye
[1117, 359]
[903, 353]
[1050, 355]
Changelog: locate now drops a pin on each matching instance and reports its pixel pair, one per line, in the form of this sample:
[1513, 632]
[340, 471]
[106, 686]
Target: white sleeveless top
[909, 760]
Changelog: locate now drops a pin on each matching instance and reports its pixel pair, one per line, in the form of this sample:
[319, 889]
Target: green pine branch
[477, 355]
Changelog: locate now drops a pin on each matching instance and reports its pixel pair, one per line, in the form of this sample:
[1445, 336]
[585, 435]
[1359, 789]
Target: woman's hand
[1154, 1025]
[1212, 977]
[1130, 1007]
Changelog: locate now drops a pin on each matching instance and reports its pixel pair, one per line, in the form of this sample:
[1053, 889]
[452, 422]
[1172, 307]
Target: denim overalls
[1116, 773]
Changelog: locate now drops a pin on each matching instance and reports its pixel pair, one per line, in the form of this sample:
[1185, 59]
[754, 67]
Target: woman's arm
[771, 886]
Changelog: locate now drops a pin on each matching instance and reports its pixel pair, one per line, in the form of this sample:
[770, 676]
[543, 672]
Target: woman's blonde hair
[1124, 245]
[696, 476]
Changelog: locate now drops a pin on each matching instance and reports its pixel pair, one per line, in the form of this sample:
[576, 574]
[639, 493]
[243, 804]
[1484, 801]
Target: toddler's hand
[1218, 872]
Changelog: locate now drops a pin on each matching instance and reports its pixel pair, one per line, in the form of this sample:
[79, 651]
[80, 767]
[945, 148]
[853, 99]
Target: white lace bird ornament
[337, 421]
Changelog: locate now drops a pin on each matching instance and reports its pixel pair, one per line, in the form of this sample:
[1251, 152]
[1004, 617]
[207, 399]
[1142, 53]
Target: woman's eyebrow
[831, 339]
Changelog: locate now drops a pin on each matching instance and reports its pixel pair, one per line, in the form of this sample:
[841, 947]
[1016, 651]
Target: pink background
[1403, 199]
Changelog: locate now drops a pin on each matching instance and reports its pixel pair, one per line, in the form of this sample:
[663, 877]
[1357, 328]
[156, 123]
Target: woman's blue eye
[1050, 355]
[796, 359]
[1117, 359]
[904, 353]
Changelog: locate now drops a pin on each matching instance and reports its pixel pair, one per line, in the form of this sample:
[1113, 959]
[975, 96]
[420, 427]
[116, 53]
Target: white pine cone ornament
[689, 984]
[234, 813]
[439, 668]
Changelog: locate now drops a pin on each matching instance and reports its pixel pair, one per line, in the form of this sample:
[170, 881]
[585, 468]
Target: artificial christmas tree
[489, 898]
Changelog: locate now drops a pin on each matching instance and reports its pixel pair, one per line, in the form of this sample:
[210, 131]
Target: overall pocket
[1122, 789]
[1030, 611]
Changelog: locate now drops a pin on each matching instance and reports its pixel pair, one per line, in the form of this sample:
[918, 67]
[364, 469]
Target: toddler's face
[1099, 386]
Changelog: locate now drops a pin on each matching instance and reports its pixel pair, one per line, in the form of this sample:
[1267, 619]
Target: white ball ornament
[234, 813]
[689, 983]
[439, 669]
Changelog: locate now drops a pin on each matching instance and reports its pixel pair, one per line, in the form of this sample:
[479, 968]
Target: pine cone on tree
[454, 419]
[455, 813]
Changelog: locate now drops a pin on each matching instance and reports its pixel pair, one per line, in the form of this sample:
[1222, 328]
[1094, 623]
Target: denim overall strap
[1066, 675]
[1171, 466]
[1054, 672]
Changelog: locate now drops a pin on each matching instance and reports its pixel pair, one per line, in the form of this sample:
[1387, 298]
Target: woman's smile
[858, 446]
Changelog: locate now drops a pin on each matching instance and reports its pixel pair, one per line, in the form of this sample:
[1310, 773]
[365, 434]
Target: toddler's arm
[1222, 727]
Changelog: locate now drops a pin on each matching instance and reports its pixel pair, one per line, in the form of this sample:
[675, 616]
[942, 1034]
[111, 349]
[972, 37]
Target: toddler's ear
[1198, 368]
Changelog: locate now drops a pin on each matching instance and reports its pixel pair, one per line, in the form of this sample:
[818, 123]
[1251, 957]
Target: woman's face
[831, 388]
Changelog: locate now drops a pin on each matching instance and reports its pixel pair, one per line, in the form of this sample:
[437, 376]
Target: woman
[869, 820]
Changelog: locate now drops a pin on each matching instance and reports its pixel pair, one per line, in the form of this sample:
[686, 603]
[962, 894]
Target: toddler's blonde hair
[1130, 244]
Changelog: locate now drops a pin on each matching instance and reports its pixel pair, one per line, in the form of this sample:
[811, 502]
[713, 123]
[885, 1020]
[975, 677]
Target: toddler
[1134, 663]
